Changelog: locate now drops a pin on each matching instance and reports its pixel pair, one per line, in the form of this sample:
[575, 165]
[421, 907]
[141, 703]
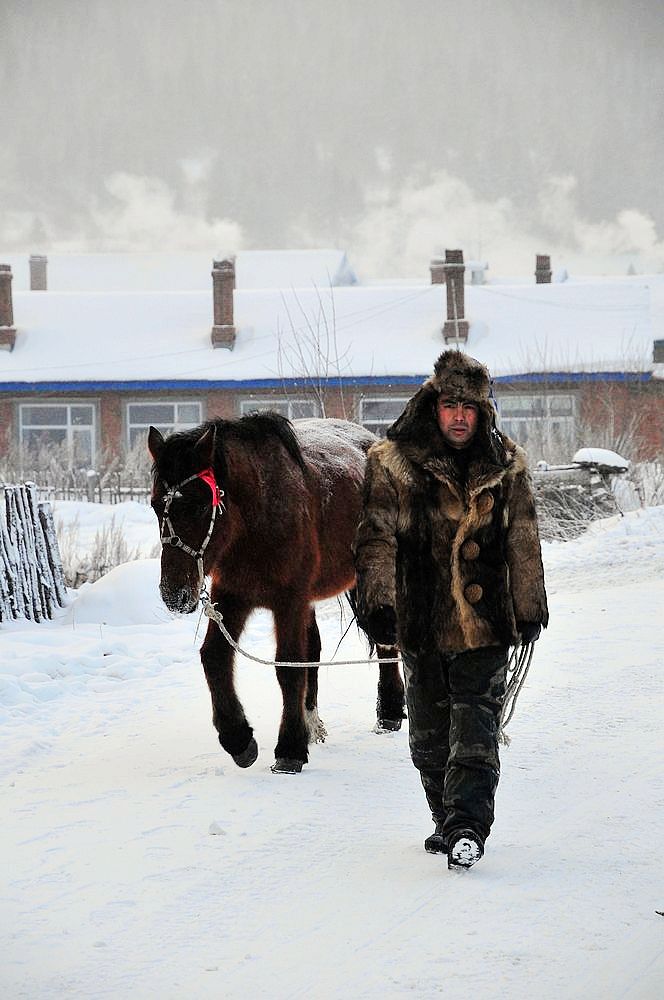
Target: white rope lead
[210, 611]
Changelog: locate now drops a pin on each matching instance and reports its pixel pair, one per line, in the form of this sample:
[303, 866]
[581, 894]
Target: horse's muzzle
[181, 600]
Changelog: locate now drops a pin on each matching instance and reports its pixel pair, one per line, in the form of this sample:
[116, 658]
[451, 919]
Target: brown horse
[267, 509]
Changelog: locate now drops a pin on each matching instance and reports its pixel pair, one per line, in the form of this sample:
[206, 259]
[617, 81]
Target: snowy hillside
[138, 861]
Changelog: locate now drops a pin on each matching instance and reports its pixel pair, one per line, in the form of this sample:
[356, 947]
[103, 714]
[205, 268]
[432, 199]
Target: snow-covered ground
[138, 861]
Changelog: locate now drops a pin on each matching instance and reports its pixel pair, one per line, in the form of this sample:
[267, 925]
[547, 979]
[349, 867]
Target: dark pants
[454, 703]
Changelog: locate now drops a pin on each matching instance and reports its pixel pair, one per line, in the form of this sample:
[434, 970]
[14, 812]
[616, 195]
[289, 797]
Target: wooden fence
[111, 487]
[32, 582]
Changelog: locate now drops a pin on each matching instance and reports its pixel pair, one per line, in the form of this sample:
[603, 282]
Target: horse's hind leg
[391, 697]
[391, 701]
[291, 622]
[314, 723]
[235, 734]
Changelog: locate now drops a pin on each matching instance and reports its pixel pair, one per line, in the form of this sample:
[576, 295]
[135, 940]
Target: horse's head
[188, 503]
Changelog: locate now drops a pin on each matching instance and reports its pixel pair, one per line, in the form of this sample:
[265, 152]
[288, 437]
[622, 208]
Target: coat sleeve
[375, 544]
[524, 554]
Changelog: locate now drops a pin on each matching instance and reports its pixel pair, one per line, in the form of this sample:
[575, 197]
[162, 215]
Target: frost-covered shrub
[564, 513]
[46, 464]
[648, 480]
[59, 477]
[109, 549]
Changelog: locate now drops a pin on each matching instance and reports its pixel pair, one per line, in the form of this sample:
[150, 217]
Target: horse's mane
[255, 428]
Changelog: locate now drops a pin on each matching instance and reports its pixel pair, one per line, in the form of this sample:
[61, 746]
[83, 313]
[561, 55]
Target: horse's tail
[351, 597]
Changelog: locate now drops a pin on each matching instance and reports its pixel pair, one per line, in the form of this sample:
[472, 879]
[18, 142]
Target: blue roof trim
[547, 377]
[159, 385]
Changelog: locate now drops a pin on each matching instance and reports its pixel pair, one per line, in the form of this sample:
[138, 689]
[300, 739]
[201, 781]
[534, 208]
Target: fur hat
[459, 376]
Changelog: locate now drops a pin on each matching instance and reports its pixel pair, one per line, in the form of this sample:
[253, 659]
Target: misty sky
[390, 128]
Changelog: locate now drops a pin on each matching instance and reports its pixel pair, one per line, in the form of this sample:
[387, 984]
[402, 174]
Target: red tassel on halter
[208, 476]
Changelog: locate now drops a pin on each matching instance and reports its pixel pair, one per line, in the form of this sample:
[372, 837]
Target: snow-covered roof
[154, 272]
[293, 269]
[353, 332]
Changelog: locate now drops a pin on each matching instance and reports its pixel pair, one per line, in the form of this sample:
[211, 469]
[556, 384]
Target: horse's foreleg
[391, 701]
[314, 723]
[291, 749]
[235, 734]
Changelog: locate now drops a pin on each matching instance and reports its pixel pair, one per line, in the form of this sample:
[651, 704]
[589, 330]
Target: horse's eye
[188, 506]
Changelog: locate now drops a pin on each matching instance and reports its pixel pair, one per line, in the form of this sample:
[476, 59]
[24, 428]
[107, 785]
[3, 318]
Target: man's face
[457, 420]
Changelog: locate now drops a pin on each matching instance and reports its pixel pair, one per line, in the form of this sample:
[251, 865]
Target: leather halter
[207, 476]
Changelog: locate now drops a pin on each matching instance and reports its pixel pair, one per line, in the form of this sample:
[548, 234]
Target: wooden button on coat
[485, 503]
[473, 593]
[470, 550]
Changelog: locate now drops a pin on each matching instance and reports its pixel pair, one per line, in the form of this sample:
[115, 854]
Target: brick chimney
[542, 269]
[437, 268]
[38, 273]
[223, 286]
[456, 327]
[7, 328]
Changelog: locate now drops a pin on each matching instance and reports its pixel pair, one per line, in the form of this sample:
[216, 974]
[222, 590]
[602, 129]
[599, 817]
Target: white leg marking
[314, 723]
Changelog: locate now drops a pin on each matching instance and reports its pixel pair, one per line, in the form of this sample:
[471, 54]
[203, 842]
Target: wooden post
[31, 575]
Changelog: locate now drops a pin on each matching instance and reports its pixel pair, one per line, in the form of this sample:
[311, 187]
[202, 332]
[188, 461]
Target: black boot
[436, 843]
[464, 849]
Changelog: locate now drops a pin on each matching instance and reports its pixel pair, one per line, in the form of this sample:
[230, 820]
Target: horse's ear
[155, 443]
[204, 448]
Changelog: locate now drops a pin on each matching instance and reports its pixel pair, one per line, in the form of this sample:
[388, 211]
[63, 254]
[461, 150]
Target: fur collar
[405, 460]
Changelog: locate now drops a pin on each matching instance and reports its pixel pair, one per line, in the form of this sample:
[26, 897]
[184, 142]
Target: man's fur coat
[456, 555]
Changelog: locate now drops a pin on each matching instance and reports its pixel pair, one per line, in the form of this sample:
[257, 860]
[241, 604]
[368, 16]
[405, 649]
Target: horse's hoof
[248, 756]
[387, 726]
[286, 765]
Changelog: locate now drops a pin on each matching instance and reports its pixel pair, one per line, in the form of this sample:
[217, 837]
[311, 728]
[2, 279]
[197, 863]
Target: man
[449, 564]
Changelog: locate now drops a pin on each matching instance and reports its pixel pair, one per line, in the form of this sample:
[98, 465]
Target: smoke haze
[390, 128]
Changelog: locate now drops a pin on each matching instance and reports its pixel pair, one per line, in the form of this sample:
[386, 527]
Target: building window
[294, 409]
[541, 420]
[70, 426]
[379, 413]
[166, 417]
